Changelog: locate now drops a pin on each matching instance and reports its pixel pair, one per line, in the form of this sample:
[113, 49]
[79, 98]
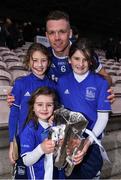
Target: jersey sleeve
[27, 140]
[104, 104]
[14, 110]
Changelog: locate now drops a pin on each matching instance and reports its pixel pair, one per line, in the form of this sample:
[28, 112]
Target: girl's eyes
[48, 105]
[44, 60]
[77, 58]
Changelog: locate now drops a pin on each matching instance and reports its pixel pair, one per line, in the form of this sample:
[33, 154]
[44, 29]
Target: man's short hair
[57, 15]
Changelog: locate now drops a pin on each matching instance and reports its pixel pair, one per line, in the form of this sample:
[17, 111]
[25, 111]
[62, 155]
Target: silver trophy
[73, 124]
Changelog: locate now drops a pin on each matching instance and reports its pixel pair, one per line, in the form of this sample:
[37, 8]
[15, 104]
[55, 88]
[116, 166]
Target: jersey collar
[60, 57]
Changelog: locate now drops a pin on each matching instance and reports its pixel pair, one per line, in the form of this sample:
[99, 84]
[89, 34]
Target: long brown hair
[40, 91]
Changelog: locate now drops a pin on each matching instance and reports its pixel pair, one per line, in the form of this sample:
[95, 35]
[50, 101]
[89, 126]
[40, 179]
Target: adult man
[59, 32]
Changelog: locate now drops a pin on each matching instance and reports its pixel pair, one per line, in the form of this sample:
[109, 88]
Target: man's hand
[11, 156]
[10, 99]
[111, 97]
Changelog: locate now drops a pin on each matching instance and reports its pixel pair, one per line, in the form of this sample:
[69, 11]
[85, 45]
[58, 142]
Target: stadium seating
[3, 65]
[5, 78]
[4, 109]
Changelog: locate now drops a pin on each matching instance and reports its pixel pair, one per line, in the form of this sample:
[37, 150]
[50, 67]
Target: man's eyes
[60, 32]
[50, 33]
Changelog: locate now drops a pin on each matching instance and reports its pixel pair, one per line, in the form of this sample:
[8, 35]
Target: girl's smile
[44, 107]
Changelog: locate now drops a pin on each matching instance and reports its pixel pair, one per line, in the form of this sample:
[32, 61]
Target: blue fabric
[59, 66]
[20, 170]
[58, 174]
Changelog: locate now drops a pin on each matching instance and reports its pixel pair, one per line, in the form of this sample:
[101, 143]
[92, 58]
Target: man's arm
[105, 75]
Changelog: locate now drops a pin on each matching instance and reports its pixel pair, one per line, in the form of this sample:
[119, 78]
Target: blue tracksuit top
[30, 138]
[22, 90]
[87, 97]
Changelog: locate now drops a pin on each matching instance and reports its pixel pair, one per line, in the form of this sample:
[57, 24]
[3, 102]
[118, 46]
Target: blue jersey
[87, 97]
[60, 65]
[30, 138]
[22, 90]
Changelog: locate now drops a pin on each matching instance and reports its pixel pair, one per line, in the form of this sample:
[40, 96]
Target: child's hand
[48, 146]
[11, 158]
[10, 99]
[50, 120]
[78, 158]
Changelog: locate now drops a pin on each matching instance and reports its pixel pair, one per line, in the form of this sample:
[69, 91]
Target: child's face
[79, 63]
[44, 107]
[39, 63]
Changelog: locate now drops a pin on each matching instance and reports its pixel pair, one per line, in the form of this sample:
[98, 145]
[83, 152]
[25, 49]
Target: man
[59, 32]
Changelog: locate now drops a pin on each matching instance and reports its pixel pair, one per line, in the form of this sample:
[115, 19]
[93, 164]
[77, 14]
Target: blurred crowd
[14, 34]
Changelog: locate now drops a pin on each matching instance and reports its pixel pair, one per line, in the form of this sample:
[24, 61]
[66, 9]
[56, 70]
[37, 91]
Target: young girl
[85, 91]
[36, 149]
[38, 61]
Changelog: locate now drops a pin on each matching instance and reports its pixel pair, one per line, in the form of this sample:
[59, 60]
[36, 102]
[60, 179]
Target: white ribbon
[102, 150]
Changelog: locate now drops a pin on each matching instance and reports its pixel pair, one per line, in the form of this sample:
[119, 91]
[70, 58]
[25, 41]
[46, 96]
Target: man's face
[58, 33]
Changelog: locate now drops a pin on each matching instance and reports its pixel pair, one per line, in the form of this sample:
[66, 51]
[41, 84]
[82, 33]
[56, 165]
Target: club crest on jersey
[90, 93]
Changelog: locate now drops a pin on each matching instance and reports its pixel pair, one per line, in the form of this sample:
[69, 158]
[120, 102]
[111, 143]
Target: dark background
[91, 17]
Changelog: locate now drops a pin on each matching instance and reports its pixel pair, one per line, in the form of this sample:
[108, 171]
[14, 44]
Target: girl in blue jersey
[36, 148]
[85, 91]
[37, 60]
